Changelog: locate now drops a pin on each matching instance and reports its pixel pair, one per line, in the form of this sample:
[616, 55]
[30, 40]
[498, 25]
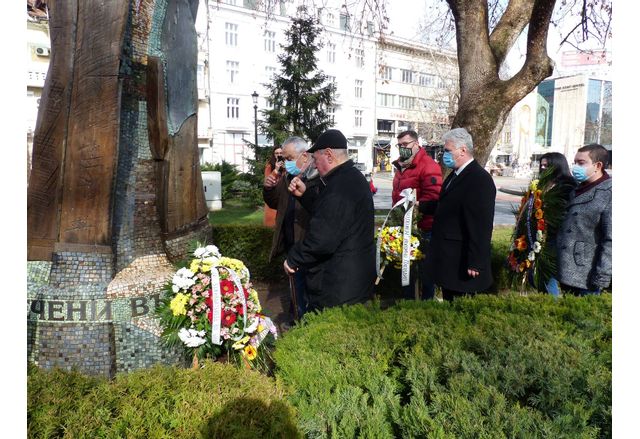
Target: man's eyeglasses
[405, 145]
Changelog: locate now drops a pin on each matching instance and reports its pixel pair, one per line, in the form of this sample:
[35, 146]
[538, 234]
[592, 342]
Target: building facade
[384, 86]
[38, 53]
[561, 115]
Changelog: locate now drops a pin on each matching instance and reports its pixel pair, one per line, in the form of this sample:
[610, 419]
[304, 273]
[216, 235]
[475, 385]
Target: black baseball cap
[333, 139]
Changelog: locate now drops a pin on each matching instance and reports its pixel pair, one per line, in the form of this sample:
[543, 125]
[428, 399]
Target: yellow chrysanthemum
[240, 343]
[195, 265]
[250, 352]
[178, 304]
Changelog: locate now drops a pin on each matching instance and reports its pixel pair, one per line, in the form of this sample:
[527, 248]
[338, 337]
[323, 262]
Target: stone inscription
[96, 310]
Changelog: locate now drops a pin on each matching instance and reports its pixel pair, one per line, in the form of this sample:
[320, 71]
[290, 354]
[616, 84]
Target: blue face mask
[447, 159]
[579, 173]
[291, 167]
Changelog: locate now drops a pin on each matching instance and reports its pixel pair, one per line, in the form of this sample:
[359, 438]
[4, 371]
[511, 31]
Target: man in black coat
[459, 254]
[338, 249]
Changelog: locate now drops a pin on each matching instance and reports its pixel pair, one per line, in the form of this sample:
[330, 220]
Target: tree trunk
[485, 99]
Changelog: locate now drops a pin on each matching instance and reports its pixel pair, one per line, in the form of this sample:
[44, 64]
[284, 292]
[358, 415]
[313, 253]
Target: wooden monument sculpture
[115, 191]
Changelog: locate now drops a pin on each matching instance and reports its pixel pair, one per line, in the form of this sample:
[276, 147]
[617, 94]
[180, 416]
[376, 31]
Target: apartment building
[384, 85]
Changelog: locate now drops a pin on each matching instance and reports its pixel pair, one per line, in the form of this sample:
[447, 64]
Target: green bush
[162, 402]
[491, 366]
[252, 245]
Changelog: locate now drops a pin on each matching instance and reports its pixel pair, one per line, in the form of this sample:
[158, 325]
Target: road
[504, 202]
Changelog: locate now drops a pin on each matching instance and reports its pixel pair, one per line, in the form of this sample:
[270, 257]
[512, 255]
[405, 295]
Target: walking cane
[292, 288]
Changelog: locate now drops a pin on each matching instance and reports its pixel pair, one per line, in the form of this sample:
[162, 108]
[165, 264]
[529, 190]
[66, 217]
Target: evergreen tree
[300, 94]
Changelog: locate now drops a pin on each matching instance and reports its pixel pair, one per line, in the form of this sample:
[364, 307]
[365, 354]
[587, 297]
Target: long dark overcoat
[462, 228]
[339, 249]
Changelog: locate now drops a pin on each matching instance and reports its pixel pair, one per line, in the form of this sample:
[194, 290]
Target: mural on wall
[524, 124]
[542, 119]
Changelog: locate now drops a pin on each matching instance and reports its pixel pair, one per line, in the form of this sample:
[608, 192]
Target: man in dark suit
[338, 249]
[459, 254]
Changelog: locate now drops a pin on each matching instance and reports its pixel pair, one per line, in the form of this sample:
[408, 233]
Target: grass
[236, 211]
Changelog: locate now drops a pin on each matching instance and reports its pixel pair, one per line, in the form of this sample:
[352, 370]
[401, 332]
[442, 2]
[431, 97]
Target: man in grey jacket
[584, 239]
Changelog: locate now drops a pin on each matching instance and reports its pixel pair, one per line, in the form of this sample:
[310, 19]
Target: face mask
[291, 167]
[447, 159]
[579, 173]
[405, 153]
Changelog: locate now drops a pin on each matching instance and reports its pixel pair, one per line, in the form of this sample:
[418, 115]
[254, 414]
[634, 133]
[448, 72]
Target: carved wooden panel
[43, 194]
[93, 124]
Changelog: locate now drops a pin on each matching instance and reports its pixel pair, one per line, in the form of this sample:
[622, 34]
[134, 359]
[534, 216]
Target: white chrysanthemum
[191, 338]
[537, 247]
[182, 280]
[532, 256]
[206, 252]
[539, 235]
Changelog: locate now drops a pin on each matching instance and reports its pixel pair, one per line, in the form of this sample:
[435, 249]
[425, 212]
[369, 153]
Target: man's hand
[297, 187]
[287, 269]
[270, 181]
[473, 272]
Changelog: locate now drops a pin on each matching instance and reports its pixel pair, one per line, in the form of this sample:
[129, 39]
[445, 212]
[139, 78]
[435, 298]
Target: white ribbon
[216, 306]
[408, 198]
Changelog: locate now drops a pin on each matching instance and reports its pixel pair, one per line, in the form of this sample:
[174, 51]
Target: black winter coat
[339, 249]
[462, 228]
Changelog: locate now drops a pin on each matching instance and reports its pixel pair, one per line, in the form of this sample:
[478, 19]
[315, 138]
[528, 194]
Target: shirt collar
[464, 165]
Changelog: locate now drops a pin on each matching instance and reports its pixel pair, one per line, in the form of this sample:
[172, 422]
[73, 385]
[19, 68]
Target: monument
[115, 193]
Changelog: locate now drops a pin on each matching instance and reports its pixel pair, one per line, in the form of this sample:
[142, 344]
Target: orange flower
[539, 214]
[537, 203]
[541, 224]
[521, 243]
[538, 193]
[528, 262]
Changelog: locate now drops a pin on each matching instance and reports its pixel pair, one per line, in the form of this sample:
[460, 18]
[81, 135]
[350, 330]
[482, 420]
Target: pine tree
[300, 93]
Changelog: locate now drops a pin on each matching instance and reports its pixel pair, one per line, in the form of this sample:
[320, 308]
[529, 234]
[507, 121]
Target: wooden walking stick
[294, 301]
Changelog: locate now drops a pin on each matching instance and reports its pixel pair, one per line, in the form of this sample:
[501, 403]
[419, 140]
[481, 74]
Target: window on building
[330, 19]
[386, 73]
[269, 71]
[331, 112]
[607, 115]
[442, 83]
[592, 122]
[268, 103]
[358, 89]
[231, 34]
[233, 108]
[407, 102]
[385, 125]
[407, 76]
[331, 53]
[357, 122]
[359, 58]
[233, 70]
[386, 100]
[232, 2]
[269, 41]
[345, 22]
[427, 80]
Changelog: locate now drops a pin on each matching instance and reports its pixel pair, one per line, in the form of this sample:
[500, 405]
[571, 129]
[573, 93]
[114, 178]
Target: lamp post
[254, 96]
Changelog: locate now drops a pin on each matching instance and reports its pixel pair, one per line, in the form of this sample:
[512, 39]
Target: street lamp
[254, 96]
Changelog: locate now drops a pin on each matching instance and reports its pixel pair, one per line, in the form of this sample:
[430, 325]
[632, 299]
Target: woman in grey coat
[584, 239]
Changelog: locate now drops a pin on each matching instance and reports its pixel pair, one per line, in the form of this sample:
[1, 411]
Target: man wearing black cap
[338, 250]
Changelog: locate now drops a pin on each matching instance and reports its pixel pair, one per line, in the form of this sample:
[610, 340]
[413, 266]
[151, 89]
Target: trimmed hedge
[218, 400]
[489, 366]
[252, 244]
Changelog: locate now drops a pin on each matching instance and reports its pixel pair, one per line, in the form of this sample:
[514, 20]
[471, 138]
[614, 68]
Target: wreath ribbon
[408, 199]
[216, 307]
